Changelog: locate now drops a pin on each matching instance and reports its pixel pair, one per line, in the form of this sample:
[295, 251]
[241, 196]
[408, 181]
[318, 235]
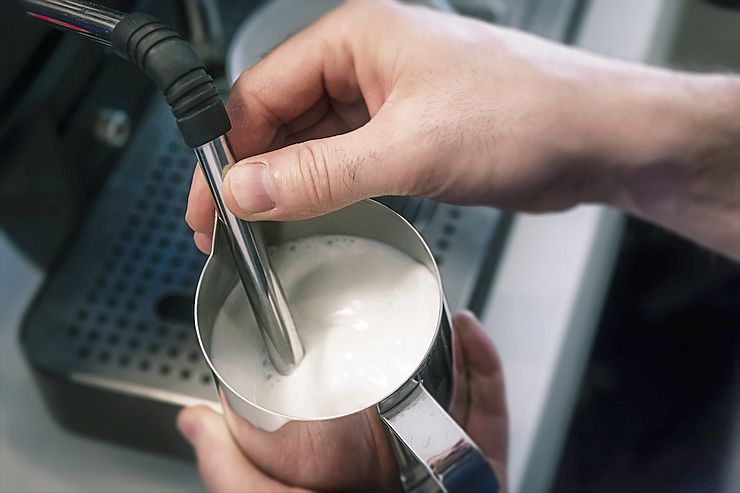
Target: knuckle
[315, 172]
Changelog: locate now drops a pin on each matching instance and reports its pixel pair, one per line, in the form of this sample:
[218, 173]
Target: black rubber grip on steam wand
[178, 72]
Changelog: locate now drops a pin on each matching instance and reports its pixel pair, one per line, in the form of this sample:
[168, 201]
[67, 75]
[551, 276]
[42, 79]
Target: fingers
[460, 403]
[487, 416]
[319, 176]
[305, 89]
[200, 213]
[221, 464]
[292, 88]
[203, 241]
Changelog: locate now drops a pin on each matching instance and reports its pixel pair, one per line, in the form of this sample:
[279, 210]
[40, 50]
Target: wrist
[657, 136]
[676, 161]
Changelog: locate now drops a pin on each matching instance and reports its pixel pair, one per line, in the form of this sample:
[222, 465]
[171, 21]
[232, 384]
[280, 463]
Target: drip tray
[110, 336]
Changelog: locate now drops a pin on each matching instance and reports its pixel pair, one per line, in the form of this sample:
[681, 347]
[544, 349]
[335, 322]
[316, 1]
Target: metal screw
[112, 127]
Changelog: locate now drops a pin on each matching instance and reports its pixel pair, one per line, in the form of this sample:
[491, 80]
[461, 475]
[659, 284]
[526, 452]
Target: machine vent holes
[176, 308]
[135, 313]
[135, 253]
[195, 266]
[134, 220]
[153, 222]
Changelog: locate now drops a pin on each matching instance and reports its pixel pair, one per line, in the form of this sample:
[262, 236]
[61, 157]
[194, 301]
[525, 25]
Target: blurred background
[620, 341]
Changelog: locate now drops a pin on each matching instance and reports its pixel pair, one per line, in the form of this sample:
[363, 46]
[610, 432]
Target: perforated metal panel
[121, 304]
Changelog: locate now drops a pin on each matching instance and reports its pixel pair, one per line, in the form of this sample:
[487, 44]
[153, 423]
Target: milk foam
[366, 314]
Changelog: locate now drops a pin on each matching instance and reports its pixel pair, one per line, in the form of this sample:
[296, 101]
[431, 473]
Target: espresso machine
[110, 335]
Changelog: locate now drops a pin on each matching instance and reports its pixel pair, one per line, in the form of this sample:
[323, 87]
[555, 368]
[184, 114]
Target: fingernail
[251, 186]
[188, 426]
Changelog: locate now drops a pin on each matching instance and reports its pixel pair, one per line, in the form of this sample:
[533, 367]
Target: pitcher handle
[450, 456]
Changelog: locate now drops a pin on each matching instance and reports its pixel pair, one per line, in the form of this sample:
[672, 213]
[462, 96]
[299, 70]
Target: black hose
[178, 72]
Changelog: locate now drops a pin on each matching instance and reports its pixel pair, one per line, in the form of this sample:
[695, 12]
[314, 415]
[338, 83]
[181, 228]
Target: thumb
[319, 176]
[221, 463]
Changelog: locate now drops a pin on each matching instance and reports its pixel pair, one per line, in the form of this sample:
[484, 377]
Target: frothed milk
[366, 314]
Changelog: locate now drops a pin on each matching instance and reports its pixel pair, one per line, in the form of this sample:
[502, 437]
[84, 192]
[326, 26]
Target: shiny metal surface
[85, 18]
[449, 455]
[431, 379]
[206, 29]
[252, 262]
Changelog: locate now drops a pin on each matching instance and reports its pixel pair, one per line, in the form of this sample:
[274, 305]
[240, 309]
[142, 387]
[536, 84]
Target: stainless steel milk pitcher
[433, 453]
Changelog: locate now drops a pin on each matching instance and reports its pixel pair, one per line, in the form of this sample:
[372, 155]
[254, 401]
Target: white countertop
[545, 303]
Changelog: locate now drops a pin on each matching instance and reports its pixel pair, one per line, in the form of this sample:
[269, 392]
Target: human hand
[378, 98]
[479, 405]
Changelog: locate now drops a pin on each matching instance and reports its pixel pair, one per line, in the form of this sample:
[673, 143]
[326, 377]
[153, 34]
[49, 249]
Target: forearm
[672, 154]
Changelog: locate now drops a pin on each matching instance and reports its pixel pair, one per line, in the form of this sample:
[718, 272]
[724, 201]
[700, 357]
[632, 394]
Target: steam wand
[201, 117]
